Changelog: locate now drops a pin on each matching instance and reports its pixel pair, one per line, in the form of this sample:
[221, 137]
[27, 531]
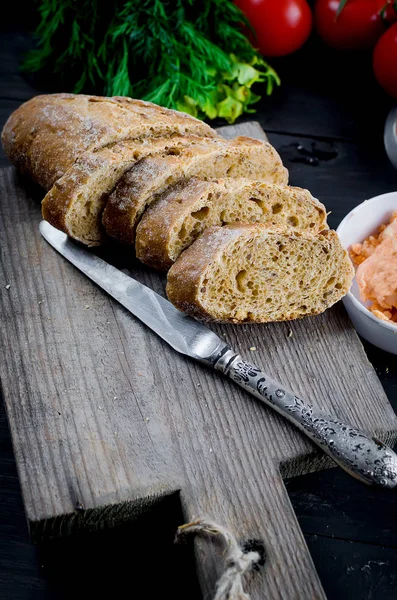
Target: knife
[363, 457]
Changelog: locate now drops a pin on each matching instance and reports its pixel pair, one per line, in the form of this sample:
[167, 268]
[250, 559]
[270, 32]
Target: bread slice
[251, 274]
[141, 185]
[76, 201]
[182, 213]
[45, 136]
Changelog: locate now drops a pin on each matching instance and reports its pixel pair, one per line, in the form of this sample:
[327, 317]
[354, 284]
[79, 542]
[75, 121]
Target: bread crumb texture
[243, 246]
[249, 273]
[205, 159]
[183, 212]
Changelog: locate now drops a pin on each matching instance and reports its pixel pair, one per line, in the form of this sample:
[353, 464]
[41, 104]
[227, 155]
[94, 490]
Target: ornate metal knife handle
[366, 458]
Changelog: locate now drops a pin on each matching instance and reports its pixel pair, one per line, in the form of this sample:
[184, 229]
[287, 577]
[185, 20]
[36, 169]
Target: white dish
[361, 222]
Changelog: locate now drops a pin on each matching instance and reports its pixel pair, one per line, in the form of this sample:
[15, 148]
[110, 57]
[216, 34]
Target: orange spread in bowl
[376, 275]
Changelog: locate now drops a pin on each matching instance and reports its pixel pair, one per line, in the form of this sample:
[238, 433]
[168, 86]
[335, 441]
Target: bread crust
[94, 175]
[45, 135]
[186, 282]
[128, 200]
[85, 148]
[153, 236]
[171, 214]
[187, 273]
[218, 158]
[79, 147]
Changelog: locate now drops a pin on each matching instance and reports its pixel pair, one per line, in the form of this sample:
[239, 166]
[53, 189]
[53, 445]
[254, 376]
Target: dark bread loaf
[46, 135]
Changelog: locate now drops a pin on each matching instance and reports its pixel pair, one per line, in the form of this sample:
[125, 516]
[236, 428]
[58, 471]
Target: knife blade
[181, 332]
[362, 456]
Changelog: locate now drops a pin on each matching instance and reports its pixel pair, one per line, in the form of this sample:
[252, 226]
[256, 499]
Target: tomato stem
[341, 6]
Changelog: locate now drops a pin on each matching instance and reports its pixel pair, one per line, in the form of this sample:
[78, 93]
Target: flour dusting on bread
[243, 246]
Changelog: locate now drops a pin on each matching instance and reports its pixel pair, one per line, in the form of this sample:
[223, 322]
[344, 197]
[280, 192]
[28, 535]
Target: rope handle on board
[238, 560]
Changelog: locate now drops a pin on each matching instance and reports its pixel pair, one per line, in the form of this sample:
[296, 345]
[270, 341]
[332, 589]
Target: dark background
[327, 122]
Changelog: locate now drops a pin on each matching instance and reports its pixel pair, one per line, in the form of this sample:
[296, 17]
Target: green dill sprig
[184, 54]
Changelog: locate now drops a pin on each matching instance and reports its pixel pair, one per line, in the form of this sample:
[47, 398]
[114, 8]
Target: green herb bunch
[186, 54]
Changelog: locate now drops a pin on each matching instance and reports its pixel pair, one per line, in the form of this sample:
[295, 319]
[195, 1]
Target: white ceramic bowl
[361, 222]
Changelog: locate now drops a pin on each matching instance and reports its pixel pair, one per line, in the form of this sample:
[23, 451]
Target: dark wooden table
[327, 122]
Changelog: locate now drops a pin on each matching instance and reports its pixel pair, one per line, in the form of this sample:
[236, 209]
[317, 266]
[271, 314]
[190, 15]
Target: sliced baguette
[182, 213]
[76, 201]
[45, 135]
[141, 185]
[251, 274]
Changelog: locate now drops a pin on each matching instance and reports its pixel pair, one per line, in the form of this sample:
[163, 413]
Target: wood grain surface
[106, 420]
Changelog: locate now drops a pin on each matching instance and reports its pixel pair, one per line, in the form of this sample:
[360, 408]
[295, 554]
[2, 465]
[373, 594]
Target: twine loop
[237, 561]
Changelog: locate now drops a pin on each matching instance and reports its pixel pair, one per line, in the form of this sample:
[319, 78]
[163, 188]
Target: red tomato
[358, 26]
[385, 61]
[388, 10]
[281, 26]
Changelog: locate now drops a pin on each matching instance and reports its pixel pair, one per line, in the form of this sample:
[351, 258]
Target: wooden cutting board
[106, 419]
